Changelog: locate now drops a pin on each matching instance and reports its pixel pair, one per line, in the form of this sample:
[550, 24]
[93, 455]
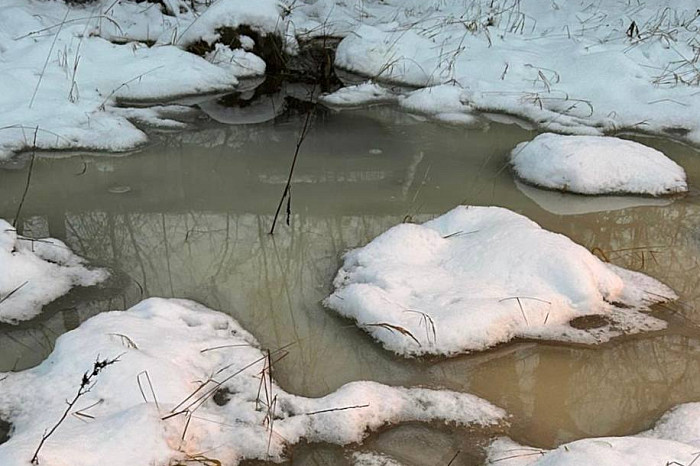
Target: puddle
[194, 223]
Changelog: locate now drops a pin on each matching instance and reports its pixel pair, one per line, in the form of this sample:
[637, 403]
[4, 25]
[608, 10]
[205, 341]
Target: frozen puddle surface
[478, 276]
[194, 225]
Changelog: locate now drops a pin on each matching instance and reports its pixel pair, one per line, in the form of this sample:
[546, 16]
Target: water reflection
[194, 224]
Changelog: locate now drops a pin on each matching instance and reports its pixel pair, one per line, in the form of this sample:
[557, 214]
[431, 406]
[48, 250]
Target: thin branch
[288, 186]
[86, 385]
[29, 179]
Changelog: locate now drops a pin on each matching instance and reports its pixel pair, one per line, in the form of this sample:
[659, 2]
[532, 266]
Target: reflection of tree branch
[167, 255]
[137, 251]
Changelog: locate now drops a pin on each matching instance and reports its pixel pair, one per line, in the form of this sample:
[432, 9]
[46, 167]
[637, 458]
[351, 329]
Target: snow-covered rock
[34, 272]
[191, 383]
[596, 165]
[479, 276]
[674, 440]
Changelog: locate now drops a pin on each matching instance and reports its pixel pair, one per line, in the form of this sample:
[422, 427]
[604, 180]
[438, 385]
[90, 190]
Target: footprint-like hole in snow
[590, 322]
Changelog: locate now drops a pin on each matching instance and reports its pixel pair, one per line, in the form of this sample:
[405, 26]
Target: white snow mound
[530, 59]
[366, 93]
[674, 440]
[35, 272]
[191, 383]
[596, 165]
[479, 276]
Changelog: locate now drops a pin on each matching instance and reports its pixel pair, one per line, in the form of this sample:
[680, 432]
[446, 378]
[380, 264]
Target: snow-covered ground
[189, 385]
[65, 68]
[596, 165]
[479, 276]
[674, 440]
[573, 67]
[370, 458]
[34, 272]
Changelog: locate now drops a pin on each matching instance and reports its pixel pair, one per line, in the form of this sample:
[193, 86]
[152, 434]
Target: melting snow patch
[370, 458]
[596, 165]
[361, 94]
[66, 76]
[674, 440]
[479, 276]
[35, 272]
[239, 62]
[538, 64]
[191, 385]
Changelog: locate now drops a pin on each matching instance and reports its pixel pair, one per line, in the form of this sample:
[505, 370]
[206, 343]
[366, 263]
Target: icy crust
[674, 440]
[596, 165]
[571, 67]
[174, 355]
[479, 276]
[35, 272]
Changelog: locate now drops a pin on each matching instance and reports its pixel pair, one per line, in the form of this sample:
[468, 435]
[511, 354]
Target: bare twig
[86, 385]
[29, 179]
[287, 188]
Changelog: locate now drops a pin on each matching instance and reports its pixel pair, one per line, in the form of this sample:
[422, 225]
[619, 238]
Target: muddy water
[188, 217]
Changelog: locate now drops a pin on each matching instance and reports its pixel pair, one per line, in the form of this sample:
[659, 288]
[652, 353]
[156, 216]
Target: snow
[263, 16]
[173, 356]
[674, 440]
[478, 276]
[34, 272]
[439, 102]
[596, 165]
[570, 67]
[681, 423]
[238, 62]
[361, 94]
[370, 458]
[66, 78]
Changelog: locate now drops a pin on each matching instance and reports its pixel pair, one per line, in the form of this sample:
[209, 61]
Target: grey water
[188, 216]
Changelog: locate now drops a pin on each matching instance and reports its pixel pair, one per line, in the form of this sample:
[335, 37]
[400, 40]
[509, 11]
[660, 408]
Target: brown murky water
[189, 215]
